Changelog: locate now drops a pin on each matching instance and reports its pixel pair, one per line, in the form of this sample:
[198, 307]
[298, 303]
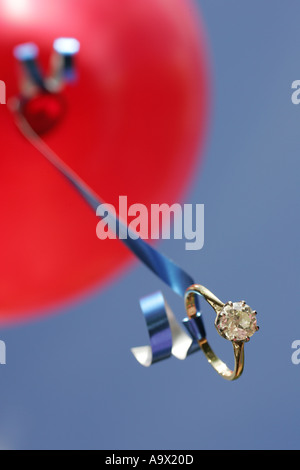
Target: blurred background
[70, 379]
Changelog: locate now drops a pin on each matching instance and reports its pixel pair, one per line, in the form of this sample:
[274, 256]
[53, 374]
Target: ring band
[234, 321]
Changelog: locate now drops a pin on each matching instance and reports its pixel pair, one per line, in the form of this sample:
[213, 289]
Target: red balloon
[134, 125]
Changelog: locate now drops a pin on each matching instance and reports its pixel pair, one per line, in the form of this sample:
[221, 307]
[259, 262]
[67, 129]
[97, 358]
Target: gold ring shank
[220, 366]
[213, 359]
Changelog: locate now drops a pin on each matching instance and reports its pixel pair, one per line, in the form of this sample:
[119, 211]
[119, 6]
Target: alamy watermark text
[2, 92]
[136, 222]
[2, 353]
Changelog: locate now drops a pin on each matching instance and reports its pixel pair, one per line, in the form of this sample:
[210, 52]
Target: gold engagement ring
[235, 321]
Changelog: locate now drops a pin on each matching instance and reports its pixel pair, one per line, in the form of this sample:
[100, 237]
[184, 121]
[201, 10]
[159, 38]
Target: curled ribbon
[166, 335]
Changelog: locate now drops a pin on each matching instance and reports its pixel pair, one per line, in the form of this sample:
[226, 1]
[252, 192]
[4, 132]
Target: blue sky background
[71, 381]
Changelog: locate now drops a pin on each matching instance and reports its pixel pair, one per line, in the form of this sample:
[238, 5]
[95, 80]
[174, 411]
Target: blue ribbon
[66, 48]
[166, 336]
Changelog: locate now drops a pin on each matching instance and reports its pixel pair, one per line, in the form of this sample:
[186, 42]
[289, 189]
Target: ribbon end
[143, 354]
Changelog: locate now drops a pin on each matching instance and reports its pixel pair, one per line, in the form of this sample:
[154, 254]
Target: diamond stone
[236, 321]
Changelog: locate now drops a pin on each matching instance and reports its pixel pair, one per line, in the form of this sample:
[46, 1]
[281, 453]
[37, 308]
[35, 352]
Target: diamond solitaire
[236, 321]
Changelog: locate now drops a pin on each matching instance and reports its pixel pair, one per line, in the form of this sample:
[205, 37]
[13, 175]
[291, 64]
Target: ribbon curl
[166, 336]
